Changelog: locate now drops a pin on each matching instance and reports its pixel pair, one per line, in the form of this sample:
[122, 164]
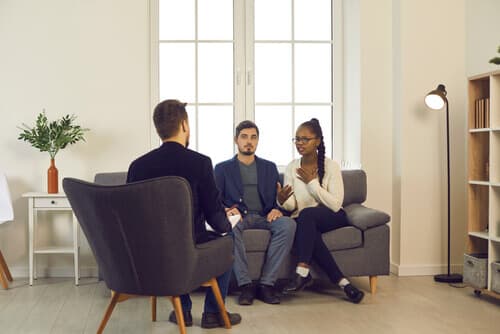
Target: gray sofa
[361, 249]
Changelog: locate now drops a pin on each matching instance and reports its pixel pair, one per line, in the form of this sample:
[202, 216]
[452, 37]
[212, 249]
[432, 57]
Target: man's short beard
[247, 152]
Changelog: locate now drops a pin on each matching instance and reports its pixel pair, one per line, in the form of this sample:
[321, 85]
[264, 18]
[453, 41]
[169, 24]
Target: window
[270, 61]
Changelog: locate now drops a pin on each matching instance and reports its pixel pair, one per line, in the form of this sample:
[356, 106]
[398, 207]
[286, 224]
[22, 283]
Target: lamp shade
[436, 98]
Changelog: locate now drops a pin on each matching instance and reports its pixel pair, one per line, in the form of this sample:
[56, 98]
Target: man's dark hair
[246, 125]
[167, 116]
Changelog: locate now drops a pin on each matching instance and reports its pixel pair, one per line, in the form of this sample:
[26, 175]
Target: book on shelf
[482, 113]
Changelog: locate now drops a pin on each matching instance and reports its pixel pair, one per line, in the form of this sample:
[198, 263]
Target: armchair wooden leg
[176, 302]
[373, 284]
[115, 297]
[220, 302]
[3, 279]
[4, 268]
[153, 308]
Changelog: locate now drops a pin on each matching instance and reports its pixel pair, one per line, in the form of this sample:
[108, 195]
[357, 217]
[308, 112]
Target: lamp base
[448, 278]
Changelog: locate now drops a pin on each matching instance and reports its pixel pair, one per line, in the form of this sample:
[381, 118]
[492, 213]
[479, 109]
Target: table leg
[31, 213]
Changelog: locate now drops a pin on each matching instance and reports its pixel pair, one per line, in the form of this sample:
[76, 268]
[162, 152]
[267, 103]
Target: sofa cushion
[365, 218]
[354, 186]
[343, 238]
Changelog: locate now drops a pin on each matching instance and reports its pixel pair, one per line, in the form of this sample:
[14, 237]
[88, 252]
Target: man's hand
[273, 215]
[283, 193]
[232, 211]
[306, 176]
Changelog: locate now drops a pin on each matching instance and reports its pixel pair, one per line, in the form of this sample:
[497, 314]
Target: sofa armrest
[364, 218]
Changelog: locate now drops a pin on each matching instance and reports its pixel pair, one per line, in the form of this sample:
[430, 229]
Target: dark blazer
[228, 178]
[172, 158]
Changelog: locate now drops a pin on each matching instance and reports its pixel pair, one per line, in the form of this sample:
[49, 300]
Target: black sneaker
[354, 294]
[267, 294]
[214, 320]
[188, 319]
[247, 294]
[298, 283]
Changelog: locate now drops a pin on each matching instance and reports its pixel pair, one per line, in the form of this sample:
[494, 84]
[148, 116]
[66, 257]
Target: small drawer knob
[52, 202]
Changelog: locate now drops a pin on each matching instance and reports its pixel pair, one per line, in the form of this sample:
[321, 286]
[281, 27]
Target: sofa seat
[343, 238]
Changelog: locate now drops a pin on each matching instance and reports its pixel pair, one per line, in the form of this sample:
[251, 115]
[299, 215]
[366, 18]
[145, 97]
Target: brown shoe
[247, 294]
[188, 318]
[214, 320]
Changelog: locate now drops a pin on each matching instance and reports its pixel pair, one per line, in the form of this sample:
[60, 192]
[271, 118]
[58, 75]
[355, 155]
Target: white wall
[426, 61]
[88, 58]
[91, 58]
[483, 35]
[403, 145]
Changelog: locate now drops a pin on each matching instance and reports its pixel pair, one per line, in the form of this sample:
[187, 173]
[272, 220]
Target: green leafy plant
[52, 136]
[496, 60]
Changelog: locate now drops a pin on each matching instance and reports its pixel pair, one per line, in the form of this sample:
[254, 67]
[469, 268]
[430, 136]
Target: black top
[172, 158]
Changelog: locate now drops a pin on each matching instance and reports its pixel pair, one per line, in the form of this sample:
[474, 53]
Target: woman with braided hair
[314, 192]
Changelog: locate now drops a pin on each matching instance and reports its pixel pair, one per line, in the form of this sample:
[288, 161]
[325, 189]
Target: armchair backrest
[140, 233]
[6, 210]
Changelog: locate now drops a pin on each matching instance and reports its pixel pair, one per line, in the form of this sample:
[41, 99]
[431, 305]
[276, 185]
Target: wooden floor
[402, 305]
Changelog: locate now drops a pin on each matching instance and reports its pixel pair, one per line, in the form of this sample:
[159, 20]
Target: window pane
[324, 116]
[177, 78]
[313, 73]
[215, 19]
[176, 19]
[215, 72]
[313, 20]
[191, 110]
[273, 78]
[215, 132]
[273, 20]
[275, 129]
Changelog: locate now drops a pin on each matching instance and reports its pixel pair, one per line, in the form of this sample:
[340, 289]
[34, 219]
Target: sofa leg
[373, 284]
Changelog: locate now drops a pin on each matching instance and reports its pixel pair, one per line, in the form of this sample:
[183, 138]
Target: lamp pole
[448, 277]
[448, 173]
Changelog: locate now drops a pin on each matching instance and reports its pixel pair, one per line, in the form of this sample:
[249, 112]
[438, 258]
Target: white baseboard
[423, 270]
[22, 272]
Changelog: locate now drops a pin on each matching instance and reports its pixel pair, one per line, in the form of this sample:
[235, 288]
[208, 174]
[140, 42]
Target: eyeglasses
[303, 140]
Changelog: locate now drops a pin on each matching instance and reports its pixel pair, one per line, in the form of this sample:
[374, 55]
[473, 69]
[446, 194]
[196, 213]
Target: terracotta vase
[52, 178]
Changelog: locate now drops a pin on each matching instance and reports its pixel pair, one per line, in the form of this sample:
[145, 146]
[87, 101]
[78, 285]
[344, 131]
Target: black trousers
[311, 224]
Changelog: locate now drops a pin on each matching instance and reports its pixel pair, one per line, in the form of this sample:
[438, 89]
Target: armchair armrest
[364, 218]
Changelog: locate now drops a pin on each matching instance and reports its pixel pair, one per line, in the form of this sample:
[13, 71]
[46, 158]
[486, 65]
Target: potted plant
[496, 60]
[51, 137]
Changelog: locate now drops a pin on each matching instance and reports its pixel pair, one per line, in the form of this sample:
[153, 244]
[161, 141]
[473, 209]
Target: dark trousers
[311, 223]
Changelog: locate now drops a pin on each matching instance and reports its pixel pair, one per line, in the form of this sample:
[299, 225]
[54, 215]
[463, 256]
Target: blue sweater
[228, 180]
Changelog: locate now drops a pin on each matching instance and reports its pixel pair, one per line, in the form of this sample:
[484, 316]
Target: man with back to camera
[173, 158]
[248, 186]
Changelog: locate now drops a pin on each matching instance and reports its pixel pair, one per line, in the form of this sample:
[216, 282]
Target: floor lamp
[436, 100]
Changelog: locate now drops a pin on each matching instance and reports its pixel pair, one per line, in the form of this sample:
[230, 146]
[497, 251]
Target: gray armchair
[141, 236]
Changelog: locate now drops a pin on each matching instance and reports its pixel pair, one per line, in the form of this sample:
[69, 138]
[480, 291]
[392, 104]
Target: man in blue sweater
[248, 187]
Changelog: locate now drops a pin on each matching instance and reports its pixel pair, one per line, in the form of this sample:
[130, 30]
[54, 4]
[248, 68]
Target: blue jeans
[282, 235]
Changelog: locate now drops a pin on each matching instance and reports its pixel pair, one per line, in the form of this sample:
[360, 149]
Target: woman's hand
[283, 193]
[232, 211]
[306, 175]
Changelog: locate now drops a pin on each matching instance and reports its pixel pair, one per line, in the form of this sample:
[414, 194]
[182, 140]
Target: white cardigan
[331, 194]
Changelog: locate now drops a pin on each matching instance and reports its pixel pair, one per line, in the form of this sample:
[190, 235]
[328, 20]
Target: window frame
[243, 71]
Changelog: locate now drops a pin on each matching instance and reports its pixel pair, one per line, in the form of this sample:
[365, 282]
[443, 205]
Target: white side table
[49, 202]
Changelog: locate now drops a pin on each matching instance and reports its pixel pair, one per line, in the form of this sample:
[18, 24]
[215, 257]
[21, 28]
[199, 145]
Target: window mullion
[249, 59]
[239, 22]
